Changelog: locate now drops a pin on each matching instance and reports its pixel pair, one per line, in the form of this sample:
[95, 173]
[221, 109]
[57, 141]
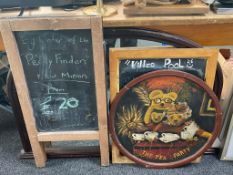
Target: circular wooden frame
[157, 74]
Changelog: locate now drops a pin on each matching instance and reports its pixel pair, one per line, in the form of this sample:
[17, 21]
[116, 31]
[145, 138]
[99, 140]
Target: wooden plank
[204, 34]
[101, 97]
[122, 20]
[218, 34]
[54, 23]
[1, 44]
[211, 67]
[191, 9]
[114, 74]
[68, 136]
[117, 158]
[22, 91]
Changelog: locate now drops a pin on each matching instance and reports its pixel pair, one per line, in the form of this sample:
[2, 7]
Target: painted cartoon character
[167, 116]
[160, 104]
[178, 114]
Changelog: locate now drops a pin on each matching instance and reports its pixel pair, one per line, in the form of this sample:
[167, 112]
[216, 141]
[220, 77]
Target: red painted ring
[160, 73]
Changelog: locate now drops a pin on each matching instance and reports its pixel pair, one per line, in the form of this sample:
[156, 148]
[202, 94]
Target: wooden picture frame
[150, 53]
[37, 139]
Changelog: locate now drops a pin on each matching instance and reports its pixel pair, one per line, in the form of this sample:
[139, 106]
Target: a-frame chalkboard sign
[58, 69]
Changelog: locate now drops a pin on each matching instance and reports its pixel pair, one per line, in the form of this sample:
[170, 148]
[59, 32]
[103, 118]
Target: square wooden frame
[8, 27]
[118, 54]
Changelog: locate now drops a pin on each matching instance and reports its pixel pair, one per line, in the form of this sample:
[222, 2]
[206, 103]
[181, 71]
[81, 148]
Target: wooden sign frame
[8, 27]
[118, 54]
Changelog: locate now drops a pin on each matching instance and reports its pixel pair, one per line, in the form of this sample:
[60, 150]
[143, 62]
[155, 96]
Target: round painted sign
[165, 119]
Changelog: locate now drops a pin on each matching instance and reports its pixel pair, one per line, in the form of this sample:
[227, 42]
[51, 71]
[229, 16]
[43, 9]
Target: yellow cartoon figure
[160, 104]
[179, 114]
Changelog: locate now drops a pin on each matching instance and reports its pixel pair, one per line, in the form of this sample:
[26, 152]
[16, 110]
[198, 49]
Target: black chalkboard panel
[58, 67]
[132, 68]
